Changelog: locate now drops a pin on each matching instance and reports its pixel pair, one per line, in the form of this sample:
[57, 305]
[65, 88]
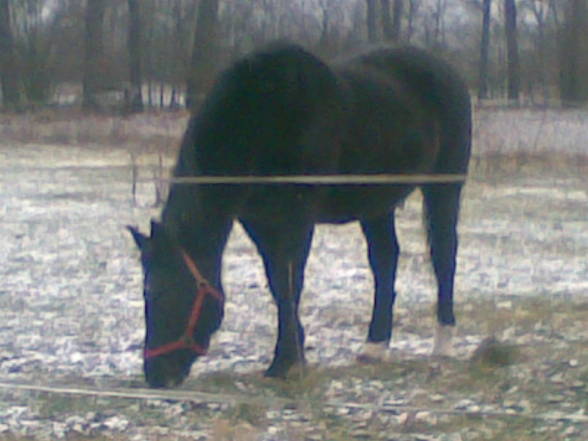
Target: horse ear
[140, 239]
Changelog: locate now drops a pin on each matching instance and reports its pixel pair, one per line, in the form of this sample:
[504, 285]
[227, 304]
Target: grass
[527, 138]
[498, 373]
[525, 365]
[146, 132]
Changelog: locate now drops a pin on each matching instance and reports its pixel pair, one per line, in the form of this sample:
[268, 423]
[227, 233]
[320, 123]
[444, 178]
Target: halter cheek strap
[186, 341]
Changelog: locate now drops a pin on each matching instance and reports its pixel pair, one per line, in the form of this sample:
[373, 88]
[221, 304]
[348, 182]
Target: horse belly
[321, 204]
[360, 202]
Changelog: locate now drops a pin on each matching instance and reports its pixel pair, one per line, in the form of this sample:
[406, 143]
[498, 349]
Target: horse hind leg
[383, 253]
[442, 209]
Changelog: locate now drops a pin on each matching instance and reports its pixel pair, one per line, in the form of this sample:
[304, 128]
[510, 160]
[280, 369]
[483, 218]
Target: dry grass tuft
[233, 430]
[492, 353]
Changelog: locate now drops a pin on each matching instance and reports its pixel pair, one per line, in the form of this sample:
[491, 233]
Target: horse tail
[441, 202]
[455, 132]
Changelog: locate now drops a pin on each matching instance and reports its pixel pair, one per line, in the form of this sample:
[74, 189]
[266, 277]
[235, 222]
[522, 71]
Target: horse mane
[281, 72]
[260, 105]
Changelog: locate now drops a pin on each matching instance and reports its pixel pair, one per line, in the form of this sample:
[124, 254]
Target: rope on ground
[233, 399]
[139, 394]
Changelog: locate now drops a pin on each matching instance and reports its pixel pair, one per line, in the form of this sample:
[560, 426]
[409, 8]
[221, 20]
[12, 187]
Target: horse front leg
[284, 251]
[383, 253]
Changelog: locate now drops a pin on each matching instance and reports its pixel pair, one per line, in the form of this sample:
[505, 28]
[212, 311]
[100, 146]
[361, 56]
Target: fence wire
[365, 179]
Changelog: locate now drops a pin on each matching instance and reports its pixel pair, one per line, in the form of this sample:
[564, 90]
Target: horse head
[182, 309]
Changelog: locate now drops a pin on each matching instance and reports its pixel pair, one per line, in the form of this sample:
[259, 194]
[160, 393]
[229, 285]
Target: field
[71, 310]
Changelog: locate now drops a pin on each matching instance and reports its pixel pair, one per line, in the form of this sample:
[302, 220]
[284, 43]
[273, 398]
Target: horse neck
[198, 228]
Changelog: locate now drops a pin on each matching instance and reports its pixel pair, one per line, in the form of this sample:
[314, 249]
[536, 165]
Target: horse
[282, 111]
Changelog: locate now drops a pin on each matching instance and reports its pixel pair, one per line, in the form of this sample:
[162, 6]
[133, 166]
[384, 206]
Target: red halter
[186, 341]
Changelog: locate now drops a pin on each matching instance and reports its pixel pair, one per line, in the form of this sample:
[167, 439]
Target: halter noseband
[186, 341]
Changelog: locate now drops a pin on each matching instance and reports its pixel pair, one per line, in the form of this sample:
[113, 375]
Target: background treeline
[164, 53]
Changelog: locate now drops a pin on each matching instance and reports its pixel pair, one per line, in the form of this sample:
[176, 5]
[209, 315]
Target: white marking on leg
[375, 352]
[443, 345]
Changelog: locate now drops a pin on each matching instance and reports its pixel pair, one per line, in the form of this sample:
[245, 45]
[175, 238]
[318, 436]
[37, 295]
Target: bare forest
[132, 55]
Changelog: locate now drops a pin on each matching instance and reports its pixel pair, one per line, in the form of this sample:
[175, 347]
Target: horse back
[408, 112]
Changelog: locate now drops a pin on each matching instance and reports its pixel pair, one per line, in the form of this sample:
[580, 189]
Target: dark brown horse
[283, 111]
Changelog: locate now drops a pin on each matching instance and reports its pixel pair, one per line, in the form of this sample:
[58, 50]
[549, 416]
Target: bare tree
[397, 19]
[371, 22]
[413, 9]
[391, 23]
[439, 22]
[554, 8]
[328, 35]
[484, 50]
[540, 9]
[94, 50]
[9, 72]
[512, 49]
[324, 42]
[574, 48]
[34, 48]
[204, 53]
[136, 96]
[184, 14]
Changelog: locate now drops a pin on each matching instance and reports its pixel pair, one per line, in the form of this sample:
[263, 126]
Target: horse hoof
[443, 345]
[374, 353]
[283, 370]
[275, 372]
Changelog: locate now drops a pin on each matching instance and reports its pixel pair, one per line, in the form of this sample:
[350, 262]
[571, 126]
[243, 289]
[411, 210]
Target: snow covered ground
[71, 303]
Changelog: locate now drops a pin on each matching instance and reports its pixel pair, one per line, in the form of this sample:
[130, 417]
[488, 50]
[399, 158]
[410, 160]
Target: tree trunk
[386, 20]
[204, 52]
[173, 101]
[574, 58]
[484, 49]
[372, 31]
[512, 49]
[136, 95]
[9, 73]
[150, 92]
[324, 41]
[437, 14]
[397, 20]
[391, 24]
[541, 44]
[93, 53]
[413, 7]
[553, 6]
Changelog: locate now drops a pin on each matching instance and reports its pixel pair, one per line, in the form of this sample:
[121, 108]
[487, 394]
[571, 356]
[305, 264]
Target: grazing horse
[282, 111]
